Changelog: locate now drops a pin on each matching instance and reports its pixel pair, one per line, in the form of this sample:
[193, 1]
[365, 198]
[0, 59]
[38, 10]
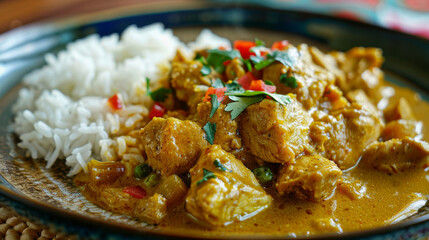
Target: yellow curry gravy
[385, 199]
[376, 198]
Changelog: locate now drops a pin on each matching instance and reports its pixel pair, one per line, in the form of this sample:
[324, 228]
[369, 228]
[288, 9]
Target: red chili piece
[115, 102]
[244, 47]
[259, 85]
[219, 92]
[135, 191]
[280, 45]
[157, 110]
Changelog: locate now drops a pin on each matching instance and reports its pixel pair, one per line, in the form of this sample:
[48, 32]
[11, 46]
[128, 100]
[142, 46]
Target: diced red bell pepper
[157, 110]
[280, 45]
[135, 191]
[244, 47]
[245, 80]
[226, 62]
[259, 85]
[219, 92]
[115, 102]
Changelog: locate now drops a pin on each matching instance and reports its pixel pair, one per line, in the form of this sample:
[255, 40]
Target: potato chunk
[231, 195]
[396, 155]
[172, 146]
[311, 177]
[273, 132]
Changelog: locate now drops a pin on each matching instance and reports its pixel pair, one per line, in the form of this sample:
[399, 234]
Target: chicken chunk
[359, 97]
[185, 76]
[226, 129]
[401, 129]
[400, 110]
[311, 78]
[172, 146]
[342, 135]
[311, 177]
[273, 132]
[151, 209]
[223, 190]
[396, 155]
[361, 67]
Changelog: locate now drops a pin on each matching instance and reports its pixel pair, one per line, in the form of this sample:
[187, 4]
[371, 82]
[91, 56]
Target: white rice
[62, 113]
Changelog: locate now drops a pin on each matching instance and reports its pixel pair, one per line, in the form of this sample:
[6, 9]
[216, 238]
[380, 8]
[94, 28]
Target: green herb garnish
[263, 174]
[215, 104]
[142, 171]
[217, 57]
[206, 177]
[288, 81]
[259, 42]
[286, 58]
[219, 165]
[205, 70]
[210, 129]
[234, 86]
[218, 83]
[268, 82]
[247, 98]
[158, 95]
[240, 104]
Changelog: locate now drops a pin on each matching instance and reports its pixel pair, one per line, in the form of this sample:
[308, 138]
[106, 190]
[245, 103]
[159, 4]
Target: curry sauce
[341, 149]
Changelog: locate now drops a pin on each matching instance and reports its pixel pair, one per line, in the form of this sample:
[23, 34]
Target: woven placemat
[14, 226]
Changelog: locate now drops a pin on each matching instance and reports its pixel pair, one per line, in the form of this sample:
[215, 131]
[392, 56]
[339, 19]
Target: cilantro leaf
[215, 104]
[210, 129]
[206, 177]
[260, 62]
[160, 94]
[220, 166]
[286, 58]
[240, 104]
[243, 100]
[218, 83]
[205, 70]
[234, 86]
[288, 81]
[268, 82]
[259, 42]
[280, 98]
[248, 64]
[217, 57]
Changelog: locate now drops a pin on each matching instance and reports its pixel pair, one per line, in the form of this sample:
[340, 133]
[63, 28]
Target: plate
[49, 196]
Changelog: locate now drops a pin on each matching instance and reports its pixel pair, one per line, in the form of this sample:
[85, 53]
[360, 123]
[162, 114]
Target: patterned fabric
[410, 16]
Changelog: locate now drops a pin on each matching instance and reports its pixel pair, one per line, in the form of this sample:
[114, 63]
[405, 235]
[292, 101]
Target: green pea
[142, 171]
[151, 180]
[263, 174]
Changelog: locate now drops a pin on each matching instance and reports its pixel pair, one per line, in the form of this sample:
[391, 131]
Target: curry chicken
[277, 139]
